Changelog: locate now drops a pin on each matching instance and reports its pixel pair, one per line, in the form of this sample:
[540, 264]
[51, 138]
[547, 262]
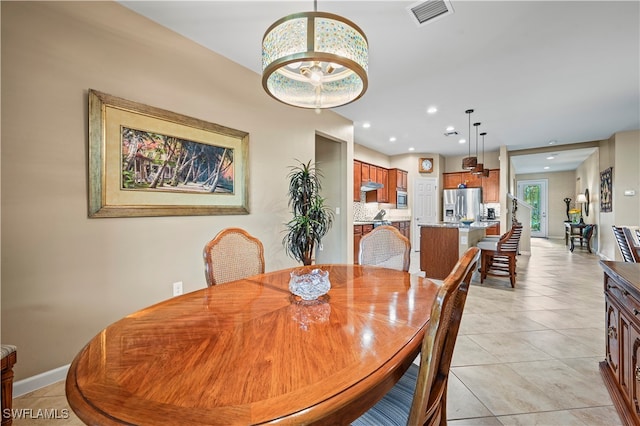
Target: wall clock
[425, 165]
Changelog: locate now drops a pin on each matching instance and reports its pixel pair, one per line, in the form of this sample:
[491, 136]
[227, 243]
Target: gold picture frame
[146, 161]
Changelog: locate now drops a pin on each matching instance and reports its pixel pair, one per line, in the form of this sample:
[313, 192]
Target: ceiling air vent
[430, 10]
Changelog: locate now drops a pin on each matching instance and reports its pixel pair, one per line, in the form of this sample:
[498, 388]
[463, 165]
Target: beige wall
[64, 276]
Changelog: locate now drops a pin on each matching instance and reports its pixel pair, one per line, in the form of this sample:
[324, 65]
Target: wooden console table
[621, 368]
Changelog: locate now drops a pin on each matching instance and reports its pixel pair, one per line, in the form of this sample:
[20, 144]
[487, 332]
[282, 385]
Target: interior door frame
[544, 204]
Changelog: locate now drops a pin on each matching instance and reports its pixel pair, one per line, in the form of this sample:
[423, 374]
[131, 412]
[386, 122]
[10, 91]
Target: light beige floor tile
[503, 391]
[598, 416]
[550, 418]
[559, 345]
[468, 352]
[509, 347]
[569, 387]
[461, 403]
[482, 421]
[497, 323]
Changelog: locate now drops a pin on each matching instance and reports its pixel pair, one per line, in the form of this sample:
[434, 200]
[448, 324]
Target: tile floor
[524, 356]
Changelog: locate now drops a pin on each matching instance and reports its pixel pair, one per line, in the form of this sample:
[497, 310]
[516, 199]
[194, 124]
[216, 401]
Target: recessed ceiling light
[552, 142]
[551, 157]
[450, 129]
[432, 110]
[462, 141]
[366, 125]
[392, 139]
[412, 149]
[546, 167]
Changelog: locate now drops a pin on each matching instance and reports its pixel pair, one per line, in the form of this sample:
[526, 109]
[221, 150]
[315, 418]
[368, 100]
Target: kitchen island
[442, 244]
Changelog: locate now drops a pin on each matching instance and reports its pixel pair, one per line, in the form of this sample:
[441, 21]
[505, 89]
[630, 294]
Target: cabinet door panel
[451, 180]
[357, 180]
[612, 349]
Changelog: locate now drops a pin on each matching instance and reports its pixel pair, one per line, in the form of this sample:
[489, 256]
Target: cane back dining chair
[498, 258]
[623, 244]
[231, 255]
[633, 246]
[385, 246]
[420, 396]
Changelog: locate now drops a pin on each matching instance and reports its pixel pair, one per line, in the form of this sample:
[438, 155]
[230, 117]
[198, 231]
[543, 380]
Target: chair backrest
[509, 243]
[439, 341]
[623, 245]
[385, 246]
[231, 255]
[633, 247]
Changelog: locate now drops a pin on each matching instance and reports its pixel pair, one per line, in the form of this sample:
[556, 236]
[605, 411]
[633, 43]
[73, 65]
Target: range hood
[371, 186]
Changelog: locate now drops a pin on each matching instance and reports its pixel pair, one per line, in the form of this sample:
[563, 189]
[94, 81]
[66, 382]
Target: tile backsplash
[363, 212]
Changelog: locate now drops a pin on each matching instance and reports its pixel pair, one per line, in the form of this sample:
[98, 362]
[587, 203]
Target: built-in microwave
[401, 200]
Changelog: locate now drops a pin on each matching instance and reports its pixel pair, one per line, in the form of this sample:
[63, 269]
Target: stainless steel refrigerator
[462, 203]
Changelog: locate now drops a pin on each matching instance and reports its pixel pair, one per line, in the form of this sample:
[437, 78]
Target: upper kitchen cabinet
[397, 180]
[383, 178]
[357, 179]
[490, 185]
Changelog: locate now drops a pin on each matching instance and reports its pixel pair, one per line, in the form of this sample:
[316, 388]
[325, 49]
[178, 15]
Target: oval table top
[248, 352]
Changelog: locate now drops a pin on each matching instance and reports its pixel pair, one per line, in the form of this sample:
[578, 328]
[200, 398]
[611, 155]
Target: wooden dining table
[250, 352]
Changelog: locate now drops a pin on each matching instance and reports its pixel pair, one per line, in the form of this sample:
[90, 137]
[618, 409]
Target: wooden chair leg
[512, 271]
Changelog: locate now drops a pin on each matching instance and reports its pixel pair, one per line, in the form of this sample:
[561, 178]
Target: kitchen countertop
[371, 222]
[475, 225]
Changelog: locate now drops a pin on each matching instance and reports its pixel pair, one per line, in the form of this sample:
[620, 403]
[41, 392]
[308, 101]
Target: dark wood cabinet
[397, 182]
[358, 232]
[621, 368]
[357, 180]
[404, 227]
[490, 185]
[438, 250]
[494, 229]
[383, 178]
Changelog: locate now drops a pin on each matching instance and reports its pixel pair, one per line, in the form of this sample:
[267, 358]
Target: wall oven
[401, 200]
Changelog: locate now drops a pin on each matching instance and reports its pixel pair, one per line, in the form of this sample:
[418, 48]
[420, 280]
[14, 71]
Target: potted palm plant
[312, 219]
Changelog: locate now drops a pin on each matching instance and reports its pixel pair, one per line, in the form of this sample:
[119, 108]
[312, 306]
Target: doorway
[534, 193]
[330, 160]
[425, 206]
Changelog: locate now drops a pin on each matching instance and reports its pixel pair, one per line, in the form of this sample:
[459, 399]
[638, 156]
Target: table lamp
[582, 199]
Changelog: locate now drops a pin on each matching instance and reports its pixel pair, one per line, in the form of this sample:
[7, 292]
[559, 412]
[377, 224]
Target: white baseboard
[38, 381]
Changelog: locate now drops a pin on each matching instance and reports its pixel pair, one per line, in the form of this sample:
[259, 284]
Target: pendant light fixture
[477, 170]
[469, 162]
[485, 172]
[315, 60]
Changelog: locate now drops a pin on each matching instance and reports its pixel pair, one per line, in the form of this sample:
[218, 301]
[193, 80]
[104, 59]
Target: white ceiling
[536, 72]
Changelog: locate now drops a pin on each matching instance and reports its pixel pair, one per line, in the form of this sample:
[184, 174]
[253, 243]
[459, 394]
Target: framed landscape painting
[145, 161]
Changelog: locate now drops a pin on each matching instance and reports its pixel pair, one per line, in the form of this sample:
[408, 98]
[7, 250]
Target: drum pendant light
[469, 162]
[477, 170]
[315, 60]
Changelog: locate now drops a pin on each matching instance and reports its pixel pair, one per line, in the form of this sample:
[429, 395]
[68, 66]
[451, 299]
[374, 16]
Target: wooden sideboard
[621, 368]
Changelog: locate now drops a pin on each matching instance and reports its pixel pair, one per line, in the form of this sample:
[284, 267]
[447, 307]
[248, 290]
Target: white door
[534, 193]
[425, 206]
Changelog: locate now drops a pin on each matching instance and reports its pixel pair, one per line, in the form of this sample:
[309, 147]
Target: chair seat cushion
[488, 245]
[394, 408]
[8, 350]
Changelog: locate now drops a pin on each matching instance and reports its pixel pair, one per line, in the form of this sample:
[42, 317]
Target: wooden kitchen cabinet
[491, 187]
[404, 227]
[383, 178]
[452, 180]
[494, 229]
[358, 232]
[357, 179]
[620, 369]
